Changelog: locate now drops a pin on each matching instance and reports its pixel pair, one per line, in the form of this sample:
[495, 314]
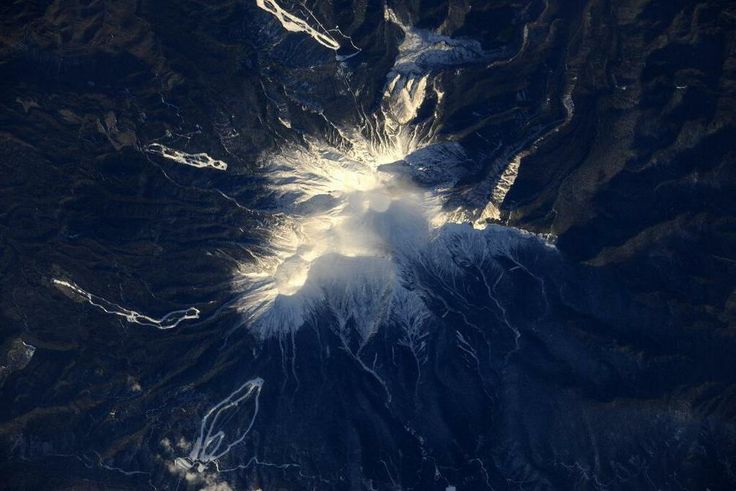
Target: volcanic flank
[360, 245]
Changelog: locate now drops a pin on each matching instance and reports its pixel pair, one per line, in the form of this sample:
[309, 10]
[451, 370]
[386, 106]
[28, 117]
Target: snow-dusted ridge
[168, 321]
[293, 23]
[422, 50]
[217, 434]
[199, 160]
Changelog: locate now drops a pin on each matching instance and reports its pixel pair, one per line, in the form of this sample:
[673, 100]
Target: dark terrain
[623, 375]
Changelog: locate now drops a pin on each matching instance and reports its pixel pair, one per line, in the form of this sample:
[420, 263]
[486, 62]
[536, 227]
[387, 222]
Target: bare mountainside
[367, 245]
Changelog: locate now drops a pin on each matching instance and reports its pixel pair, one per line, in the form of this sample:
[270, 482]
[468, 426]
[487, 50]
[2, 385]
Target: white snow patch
[168, 321]
[293, 23]
[199, 160]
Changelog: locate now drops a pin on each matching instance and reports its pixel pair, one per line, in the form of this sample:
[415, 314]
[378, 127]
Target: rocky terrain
[581, 336]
